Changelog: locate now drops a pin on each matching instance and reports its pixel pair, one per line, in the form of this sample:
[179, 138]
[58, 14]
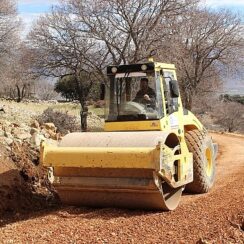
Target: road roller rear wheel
[201, 145]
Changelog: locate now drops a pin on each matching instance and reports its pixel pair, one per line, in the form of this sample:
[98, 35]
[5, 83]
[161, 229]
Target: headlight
[114, 70]
[144, 67]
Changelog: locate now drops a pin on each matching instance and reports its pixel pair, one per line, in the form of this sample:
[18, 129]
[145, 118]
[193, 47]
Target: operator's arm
[150, 96]
[139, 97]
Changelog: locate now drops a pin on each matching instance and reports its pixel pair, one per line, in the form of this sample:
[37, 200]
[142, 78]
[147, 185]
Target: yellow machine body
[132, 164]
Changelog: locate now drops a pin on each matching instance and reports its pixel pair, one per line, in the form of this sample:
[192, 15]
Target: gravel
[216, 217]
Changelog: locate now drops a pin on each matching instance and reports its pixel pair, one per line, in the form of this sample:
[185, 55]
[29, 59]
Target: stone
[35, 124]
[52, 134]
[7, 129]
[23, 136]
[9, 141]
[46, 135]
[15, 131]
[19, 141]
[33, 130]
[59, 136]
[1, 133]
[36, 139]
[2, 140]
[8, 134]
[23, 125]
[15, 125]
[50, 126]
[8, 148]
[7, 123]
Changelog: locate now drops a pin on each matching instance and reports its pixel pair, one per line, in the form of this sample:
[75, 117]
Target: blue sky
[35, 6]
[29, 10]
[236, 6]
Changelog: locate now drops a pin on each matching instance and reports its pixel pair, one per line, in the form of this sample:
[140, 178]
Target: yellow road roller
[150, 151]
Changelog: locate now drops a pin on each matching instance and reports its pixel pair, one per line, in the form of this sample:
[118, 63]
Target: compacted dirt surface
[216, 217]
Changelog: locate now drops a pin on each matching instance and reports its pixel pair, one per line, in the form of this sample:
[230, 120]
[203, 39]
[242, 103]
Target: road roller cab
[127, 108]
[150, 151]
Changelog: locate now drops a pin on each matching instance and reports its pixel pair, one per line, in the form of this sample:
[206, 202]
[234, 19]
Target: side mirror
[102, 91]
[174, 88]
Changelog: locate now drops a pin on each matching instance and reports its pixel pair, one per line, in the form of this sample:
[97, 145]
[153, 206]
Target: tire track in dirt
[216, 217]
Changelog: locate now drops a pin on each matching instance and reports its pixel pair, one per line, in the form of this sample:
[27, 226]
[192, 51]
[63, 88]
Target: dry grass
[72, 108]
[25, 113]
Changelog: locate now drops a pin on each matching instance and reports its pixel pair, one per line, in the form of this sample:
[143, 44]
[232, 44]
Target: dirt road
[216, 217]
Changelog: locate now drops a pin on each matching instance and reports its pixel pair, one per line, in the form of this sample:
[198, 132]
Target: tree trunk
[186, 97]
[23, 92]
[18, 94]
[83, 116]
[82, 93]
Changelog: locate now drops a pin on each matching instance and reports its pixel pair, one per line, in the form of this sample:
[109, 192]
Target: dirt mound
[23, 182]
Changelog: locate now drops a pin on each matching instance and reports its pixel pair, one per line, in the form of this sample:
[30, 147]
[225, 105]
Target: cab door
[170, 91]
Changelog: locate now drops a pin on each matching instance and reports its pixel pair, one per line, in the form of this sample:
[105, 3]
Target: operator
[146, 94]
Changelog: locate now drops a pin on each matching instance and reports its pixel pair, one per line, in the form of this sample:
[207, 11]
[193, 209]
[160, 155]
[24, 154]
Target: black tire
[204, 167]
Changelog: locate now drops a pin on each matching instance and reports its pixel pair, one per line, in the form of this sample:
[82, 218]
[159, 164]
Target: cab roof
[150, 66]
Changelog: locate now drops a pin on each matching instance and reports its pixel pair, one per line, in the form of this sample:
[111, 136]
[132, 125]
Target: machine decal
[173, 120]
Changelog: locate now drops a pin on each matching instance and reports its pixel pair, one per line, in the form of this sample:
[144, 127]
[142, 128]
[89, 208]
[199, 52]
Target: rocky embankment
[15, 133]
[23, 181]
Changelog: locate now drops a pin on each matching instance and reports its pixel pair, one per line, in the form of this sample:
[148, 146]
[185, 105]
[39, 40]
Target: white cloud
[28, 19]
[216, 3]
[37, 2]
[30, 10]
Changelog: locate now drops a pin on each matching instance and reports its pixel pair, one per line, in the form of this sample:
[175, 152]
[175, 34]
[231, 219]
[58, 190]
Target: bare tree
[9, 26]
[128, 31]
[203, 44]
[44, 90]
[61, 50]
[9, 40]
[230, 115]
[17, 78]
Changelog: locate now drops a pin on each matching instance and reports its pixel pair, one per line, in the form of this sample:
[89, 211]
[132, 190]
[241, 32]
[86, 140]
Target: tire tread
[195, 139]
